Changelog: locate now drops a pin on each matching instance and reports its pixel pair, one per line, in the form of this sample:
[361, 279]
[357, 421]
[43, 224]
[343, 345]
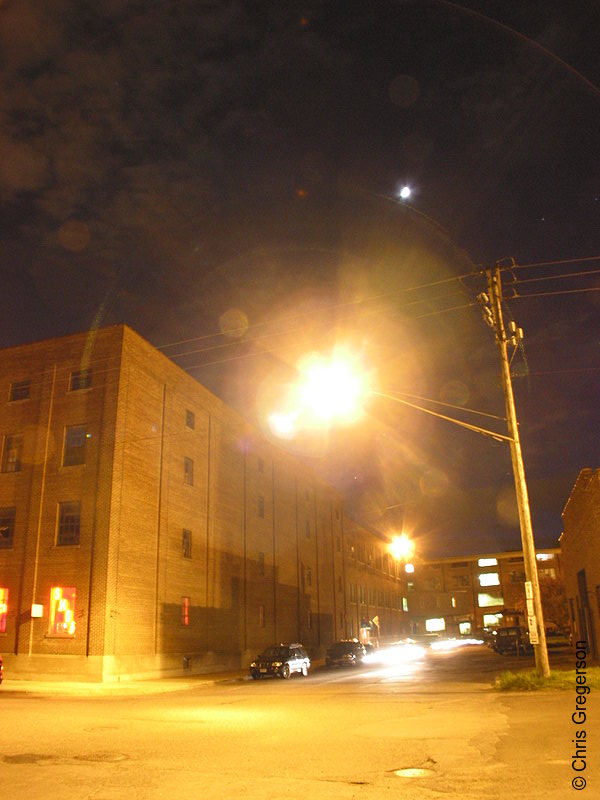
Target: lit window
[186, 543]
[185, 610]
[488, 562]
[464, 628]
[261, 506]
[491, 620]
[489, 579]
[404, 604]
[190, 420]
[80, 379]
[454, 602]
[3, 608]
[19, 390]
[62, 611]
[544, 556]
[410, 585]
[485, 600]
[69, 518]
[12, 453]
[74, 447]
[7, 527]
[435, 624]
[188, 471]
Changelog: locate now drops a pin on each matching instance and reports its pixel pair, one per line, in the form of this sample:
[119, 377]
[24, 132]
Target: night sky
[224, 177]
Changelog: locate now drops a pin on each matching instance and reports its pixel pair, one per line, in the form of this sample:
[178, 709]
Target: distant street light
[405, 192]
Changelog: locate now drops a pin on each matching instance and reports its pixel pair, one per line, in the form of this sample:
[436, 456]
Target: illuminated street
[336, 734]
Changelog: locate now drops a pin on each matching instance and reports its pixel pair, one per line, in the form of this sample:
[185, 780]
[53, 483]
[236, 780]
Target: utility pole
[537, 631]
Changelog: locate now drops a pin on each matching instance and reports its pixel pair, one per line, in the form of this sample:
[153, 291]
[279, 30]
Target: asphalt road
[433, 728]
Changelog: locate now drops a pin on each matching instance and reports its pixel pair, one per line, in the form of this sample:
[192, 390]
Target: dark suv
[281, 660]
[347, 653]
[511, 640]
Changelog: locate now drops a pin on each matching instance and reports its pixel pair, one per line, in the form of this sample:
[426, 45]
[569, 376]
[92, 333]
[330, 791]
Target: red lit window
[3, 608]
[185, 610]
[62, 611]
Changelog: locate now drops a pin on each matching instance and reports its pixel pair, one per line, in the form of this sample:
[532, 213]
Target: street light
[402, 548]
[332, 391]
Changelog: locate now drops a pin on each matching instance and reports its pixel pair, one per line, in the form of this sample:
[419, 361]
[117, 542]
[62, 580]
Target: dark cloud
[177, 163]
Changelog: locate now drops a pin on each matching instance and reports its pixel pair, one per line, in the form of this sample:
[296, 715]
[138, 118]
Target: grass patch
[530, 681]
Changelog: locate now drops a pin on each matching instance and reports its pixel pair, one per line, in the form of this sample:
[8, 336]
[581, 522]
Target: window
[19, 390]
[186, 543]
[12, 453]
[517, 576]
[485, 600]
[190, 419]
[464, 628]
[261, 506]
[69, 517]
[489, 579]
[188, 471]
[7, 527]
[435, 624]
[185, 611]
[74, 446]
[404, 604]
[62, 611]
[461, 581]
[487, 562]
[80, 379]
[3, 608]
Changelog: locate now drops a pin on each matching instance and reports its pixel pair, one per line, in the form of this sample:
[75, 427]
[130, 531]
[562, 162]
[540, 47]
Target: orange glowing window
[62, 611]
[3, 608]
[185, 610]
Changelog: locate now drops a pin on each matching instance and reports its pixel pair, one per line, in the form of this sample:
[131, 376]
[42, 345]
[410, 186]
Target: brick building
[147, 529]
[580, 544]
[460, 596]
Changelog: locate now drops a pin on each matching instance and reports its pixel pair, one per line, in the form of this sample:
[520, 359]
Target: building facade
[147, 529]
[580, 544]
[463, 596]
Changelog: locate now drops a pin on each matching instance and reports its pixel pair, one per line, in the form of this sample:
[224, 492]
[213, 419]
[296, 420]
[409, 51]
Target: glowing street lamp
[402, 548]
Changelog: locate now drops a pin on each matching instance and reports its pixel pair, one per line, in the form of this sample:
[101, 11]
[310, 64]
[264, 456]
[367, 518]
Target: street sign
[530, 611]
[533, 631]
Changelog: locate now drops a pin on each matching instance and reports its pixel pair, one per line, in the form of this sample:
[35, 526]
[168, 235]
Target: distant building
[580, 545]
[461, 596]
[147, 529]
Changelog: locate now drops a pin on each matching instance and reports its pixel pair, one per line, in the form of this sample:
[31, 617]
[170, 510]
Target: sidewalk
[121, 687]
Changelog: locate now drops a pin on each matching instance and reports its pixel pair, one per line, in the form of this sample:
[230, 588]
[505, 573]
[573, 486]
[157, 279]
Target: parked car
[345, 653]
[281, 660]
[511, 640]
[557, 638]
